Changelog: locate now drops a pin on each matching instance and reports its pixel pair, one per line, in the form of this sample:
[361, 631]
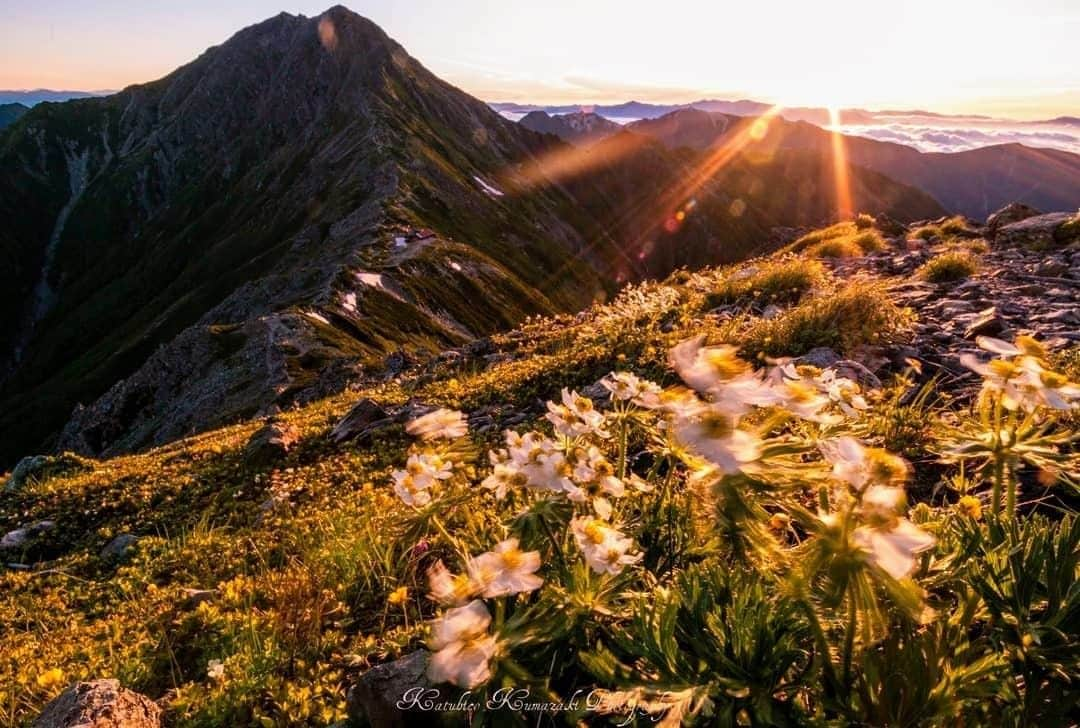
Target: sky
[1013, 58]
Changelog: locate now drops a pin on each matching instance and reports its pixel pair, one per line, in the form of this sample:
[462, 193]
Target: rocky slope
[305, 200]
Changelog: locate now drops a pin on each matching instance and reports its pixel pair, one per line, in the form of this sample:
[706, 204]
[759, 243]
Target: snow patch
[349, 302]
[315, 316]
[455, 265]
[493, 191]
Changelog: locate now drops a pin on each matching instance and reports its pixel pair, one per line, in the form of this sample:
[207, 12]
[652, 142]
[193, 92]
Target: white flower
[842, 391]
[422, 470]
[215, 670]
[503, 477]
[426, 468]
[604, 547]
[893, 548]
[596, 471]
[506, 570]
[462, 647]
[576, 416]
[450, 589]
[860, 466]
[731, 383]
[409, 490]
[713, 435]
[442, 423]
[804, 399]
[629, 387]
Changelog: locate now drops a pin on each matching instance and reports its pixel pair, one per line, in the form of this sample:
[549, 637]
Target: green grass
[950, 266]
[843, 240]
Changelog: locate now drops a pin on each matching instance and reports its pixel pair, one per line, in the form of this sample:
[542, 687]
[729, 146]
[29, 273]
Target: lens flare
[840, 167]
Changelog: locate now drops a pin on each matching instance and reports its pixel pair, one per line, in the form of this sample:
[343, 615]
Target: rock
[43, 467]
[771, 311]
[986, 323]
[821, 357]
[358, 420]
[1040, 231]
[373, 700]
[1051, 268]
[270, 443]
[119, 548]
[195, 597]
[597, 392]
[889, 226]
[21, 537]
[1013, 212]
[99, 704]
[857, 373]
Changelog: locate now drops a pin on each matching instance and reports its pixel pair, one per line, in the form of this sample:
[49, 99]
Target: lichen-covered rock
[43, 467]
[1013, 212]
[1055, 228]
[24, 536]
[99, 704]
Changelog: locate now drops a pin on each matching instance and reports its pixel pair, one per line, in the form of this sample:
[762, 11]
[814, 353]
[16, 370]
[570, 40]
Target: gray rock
[374, 699]
[771, 311]
[857, 373]
[1013, 212]
[821, 357]
[1041, 230]
[99, 704]
[271, 442]
[986, 323]
[358, 420]
[43, 467]
[119, 548]
[20, 537]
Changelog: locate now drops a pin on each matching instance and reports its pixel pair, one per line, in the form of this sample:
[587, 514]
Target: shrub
[951, 266]
[864, 221]
[843, 240]
[783, 281]
[859, 313]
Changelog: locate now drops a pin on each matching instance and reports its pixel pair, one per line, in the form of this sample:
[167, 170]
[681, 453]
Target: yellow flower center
[1003, 369]
[1030, 346]
[595, 531]
[1053, 380]
[513, 558]
[716, 426]
[884, 467]
[724, 363]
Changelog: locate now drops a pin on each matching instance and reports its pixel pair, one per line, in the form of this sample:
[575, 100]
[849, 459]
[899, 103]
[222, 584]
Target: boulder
[889, 227]
[380, 697]
[270, 443]
[119, 548]
[1013, 212]
[821, 357]
[358, 420]
[25, 535]
[43, 467]
[99, 704]
[1055, 228]
[986, 323]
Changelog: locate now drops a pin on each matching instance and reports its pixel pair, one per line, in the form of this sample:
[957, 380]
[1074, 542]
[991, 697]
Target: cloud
[953, 139]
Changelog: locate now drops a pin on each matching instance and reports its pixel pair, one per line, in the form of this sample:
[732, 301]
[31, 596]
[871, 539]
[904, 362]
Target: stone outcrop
[99, 704]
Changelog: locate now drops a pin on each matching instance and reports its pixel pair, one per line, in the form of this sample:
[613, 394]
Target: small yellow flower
[969, 505]
[50, 678]
[398, 596]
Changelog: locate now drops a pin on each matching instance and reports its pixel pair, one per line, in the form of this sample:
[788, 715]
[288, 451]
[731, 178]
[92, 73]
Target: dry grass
[954, 265]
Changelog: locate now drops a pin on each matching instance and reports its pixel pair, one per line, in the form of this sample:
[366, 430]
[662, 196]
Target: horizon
[868, 60]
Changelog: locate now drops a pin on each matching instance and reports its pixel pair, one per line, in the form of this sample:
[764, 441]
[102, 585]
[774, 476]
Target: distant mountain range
[974, 182]
[306, 200]
[578, 127]
[40, 95]
[635, 110]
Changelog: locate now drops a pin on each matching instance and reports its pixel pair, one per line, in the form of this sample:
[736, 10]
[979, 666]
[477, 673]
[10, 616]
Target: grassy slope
[302, 586]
